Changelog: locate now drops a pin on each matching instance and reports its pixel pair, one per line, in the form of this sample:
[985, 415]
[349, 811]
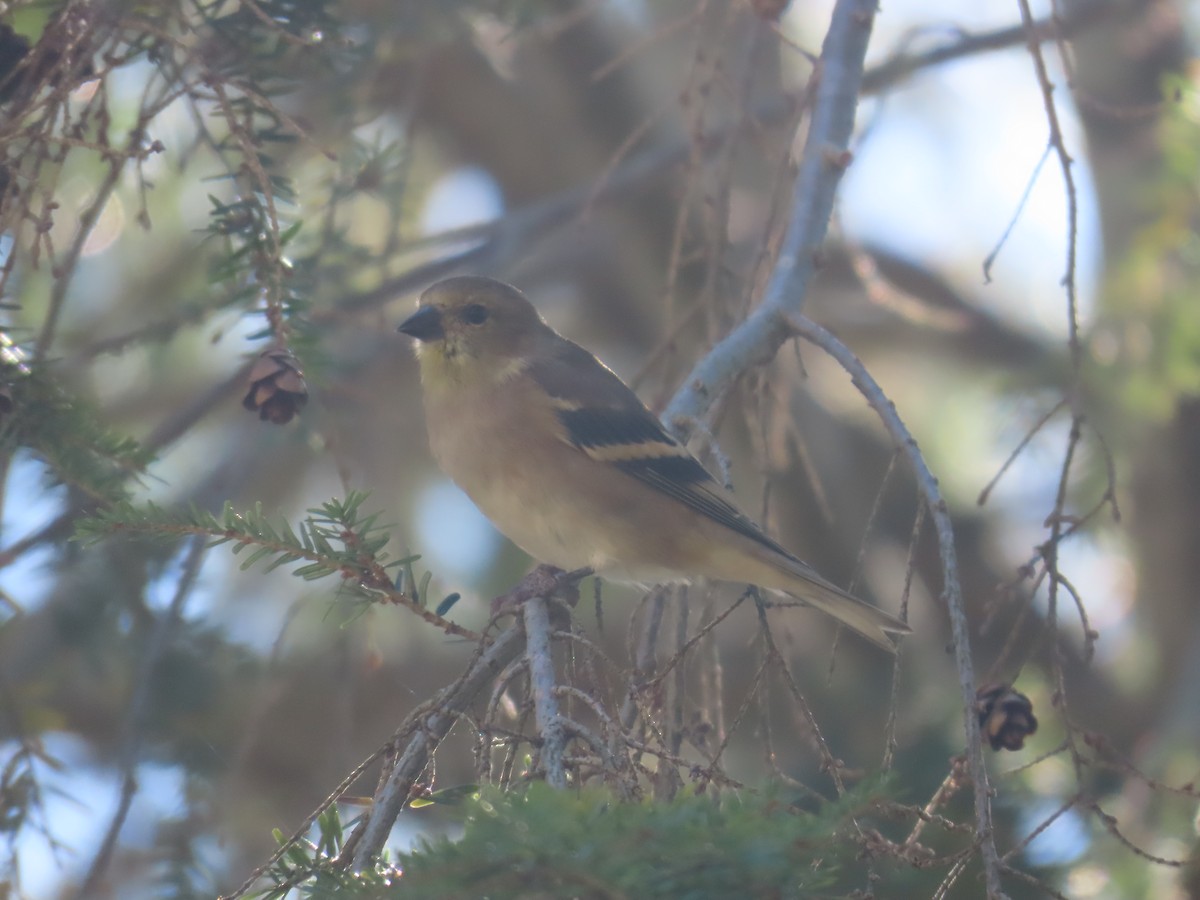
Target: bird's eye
[475, 314]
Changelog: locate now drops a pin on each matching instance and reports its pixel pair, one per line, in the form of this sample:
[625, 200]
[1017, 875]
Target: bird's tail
[870, 621]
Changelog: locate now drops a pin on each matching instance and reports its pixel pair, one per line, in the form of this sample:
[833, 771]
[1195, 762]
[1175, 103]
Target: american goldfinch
[568, 463]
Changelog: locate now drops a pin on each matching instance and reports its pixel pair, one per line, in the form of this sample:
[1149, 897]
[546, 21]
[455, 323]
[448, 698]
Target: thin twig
[302, 830]
[1021, 445]
[1058, 143]
[829, 763]
[67, 268]
[1052, 28]
[135, 727]
[644, 664]
[500, 239]
[951, 588]
[825, 158]
[424, 730]
[990, 259]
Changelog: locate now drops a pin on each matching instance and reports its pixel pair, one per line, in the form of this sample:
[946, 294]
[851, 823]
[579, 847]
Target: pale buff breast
[490, 454]
[542, 493]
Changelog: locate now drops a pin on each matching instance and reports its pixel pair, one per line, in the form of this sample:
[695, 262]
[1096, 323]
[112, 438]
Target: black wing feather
[602, 412]
[700, 495]
[600, 426]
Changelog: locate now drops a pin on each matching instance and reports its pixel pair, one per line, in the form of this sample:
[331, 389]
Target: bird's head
[473, 328]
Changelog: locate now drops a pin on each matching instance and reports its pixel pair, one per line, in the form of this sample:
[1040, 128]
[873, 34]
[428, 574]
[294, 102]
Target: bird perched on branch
[568, 463]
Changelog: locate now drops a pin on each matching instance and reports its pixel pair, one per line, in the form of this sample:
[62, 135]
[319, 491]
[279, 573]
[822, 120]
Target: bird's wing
[603, 418]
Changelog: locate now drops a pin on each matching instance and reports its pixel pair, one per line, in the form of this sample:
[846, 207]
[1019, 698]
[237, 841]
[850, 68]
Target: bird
[571, 466]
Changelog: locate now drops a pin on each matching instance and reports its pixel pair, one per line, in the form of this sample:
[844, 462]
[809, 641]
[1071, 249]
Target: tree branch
[758, 338]
[136, 721]
[505, 238]
[826, 156]
[425, 730]
[951, 588]
[536, 615]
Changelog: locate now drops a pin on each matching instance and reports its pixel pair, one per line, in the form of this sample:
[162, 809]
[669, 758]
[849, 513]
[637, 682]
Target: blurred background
[186, 185]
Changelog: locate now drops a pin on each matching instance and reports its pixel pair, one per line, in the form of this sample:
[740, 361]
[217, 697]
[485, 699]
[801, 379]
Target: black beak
[425, 324]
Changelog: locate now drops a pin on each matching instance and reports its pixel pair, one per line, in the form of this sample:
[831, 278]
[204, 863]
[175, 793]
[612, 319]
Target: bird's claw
[543, 581]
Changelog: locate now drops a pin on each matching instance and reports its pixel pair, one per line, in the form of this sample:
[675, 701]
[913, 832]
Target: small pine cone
[1005, 716]
[277, 387]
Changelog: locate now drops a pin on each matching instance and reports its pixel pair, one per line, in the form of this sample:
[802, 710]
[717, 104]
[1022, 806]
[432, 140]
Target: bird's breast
[502, 447]
[507, 449]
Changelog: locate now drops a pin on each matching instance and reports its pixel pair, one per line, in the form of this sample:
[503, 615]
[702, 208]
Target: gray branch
[951, 588]
[826, 155]
[550, 728]
[778, 317]
[440, 714]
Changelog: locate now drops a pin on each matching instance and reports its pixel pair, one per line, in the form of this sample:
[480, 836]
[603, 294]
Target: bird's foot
[543, 581]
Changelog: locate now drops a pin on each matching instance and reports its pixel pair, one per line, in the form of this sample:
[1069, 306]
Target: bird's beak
[424, 325]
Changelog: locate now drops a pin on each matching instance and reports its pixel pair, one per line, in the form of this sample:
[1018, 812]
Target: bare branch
[951, 588]
[536, 616]
[135, 728]
[425, 731]
[825, 158]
